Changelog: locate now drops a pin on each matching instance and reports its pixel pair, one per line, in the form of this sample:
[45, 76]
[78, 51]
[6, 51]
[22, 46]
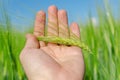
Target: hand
[51, 61]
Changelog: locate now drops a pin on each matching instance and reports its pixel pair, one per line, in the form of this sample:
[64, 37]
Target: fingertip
[52, 8]
[63, 12]
[62, 18]
[41, 12]
[74, 27]
[32, 38]
[32, 41]
[40, 17]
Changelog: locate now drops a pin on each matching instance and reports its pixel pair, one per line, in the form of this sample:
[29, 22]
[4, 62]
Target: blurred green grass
[103, 39]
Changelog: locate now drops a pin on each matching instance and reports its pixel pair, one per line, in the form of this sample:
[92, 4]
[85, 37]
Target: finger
[52, 21]
[74, 30]
[32, 41]
[63, 24]
[40, 25]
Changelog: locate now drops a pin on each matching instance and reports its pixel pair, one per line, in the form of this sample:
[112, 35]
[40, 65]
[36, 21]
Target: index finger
[39, 24]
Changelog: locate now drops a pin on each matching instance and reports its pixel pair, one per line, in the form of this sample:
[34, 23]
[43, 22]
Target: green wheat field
[103, 39]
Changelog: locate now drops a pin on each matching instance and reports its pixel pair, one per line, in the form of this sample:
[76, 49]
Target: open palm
[50, 61]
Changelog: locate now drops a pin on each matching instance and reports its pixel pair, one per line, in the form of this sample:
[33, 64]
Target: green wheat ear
[65, 41]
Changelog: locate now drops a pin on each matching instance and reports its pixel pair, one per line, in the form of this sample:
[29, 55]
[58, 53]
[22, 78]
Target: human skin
[50, 61]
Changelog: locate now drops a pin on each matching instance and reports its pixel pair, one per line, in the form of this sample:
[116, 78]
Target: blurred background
[99, 26]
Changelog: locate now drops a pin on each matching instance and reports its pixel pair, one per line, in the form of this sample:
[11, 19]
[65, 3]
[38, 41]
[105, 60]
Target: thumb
[31, 42]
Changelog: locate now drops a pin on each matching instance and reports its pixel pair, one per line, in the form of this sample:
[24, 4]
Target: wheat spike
[65, 41]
